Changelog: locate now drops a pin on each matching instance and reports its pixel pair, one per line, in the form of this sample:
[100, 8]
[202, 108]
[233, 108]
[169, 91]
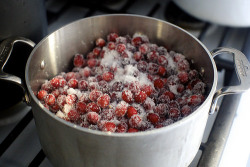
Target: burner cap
[177, 16]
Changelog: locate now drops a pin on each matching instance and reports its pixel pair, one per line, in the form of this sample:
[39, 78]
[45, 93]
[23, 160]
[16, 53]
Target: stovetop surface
[19, 141]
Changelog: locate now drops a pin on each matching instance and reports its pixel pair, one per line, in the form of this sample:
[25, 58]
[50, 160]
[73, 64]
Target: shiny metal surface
[242, 68]
[6, 48]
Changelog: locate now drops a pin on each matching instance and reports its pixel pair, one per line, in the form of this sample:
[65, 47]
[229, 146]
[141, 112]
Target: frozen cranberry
[186, 110]
[140, 97]
[108, 76]
[137, 56]
[147, 89]
[171, 95]
[195, 100]
[173, 104]
[78, 60]
[108, 114]
[41, 94]
[109, 127]
[163, 99]
[172, 80]
[149, 104]
[102, 53]
[132, 130]
[134, 86]
[183, 76]
[100, 42]
[199, 88]
[153, 68]
[153, 118]
[71, 99]
[61, 100]
[91, 55]
[180, 88]
[117, 86]
[111, 46]
[56, 93]
[162, 60]
[182, 101]
[121, 109]
[103, 100]
[161, 109]
[97, 51]
[92, 63]
[73, 115]
[93, 107]
[73, 83]
[94, 95]
[162, 50]
[127, 96]
[55, 82]
[83, 85]
[162, 71]
[174, 113]
[144, 48]
[135, 121]
[70, 75]
[137, 41]
[84, 98]
[93, 117]
[122, 127]
[62, 82]
[183, 65]
[81, 107]
[131, 111]
[112, 37]
[50, 99]
[158, 84]
[104, 86]
[54, 108]
[153, 57]
[120, 48]
[142, 66]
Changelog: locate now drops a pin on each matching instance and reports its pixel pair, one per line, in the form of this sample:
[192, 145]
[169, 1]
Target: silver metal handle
[6, 48]
[242, 68]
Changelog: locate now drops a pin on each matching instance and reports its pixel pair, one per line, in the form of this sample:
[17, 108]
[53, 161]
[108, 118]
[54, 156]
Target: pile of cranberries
[125, 84]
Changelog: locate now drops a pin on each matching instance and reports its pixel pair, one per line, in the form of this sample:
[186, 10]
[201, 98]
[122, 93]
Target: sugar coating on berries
[125, 84]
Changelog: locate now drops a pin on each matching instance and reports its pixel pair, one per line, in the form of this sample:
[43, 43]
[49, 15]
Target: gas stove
[19, 141]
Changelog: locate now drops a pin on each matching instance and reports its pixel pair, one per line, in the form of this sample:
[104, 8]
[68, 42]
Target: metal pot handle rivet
[242, 68]
[6, 48]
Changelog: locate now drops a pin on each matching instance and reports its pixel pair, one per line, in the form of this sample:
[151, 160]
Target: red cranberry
[161, 109]
[108, 114]
[103, 100]
[131, 111]
[112, 37]
[93, 107]
[186, 110]
[162, 71]
[153, 68]
[183, 65]
[73, 83]
[97, 51]
[55, 82]
[162, 50]
[153, 57]
[56, 93]
[195, 100]
[135, 121]
[83, 85]
[100, 42]
[173, 104]
[183, 76]
[174, 113]
[127, 96]
[147, 89]
[142, 66]
[73, 115]
[41, 94]
[91, 55]
[158, 84]
[62, 82]
[78, 60]
[93, 117]
[144, 48]
[137, 56]
[121, 109]
[149, 104]
[111, 46]
[61, 100]
[102, 53]
[170, 95]
[163, 99]
[70, 75]
[162, 60]
[122, 127]
[134, 86]
[132, 130]
[81, 107]
[137, 41]
[109, 127]
[108, 76]
[92, 63]
[54, 108]
[120, 48]
[140, 97]
[180, 88]
[84, 98]
[153, 118]
[71, 99]
[50, 99]
[193, 74]
[117, 86]
[94, 95]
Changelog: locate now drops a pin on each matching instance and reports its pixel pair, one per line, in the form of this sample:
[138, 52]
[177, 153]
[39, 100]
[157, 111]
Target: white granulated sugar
[71, 91]
[173, 88]
[110, 58]
[129, 78]
[171, 62]
[130, 70]
[67, 108]
[143, 79]
[60, 114]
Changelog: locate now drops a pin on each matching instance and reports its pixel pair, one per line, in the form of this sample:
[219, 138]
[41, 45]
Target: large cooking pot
[66, 144]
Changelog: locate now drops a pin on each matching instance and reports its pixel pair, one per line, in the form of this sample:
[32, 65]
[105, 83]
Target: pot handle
[242, 68]
[6, 48]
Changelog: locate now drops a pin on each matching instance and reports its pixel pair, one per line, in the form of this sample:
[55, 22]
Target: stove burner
[176, 15]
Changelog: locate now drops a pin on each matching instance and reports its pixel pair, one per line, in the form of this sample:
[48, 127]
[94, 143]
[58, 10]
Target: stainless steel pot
[66, 144]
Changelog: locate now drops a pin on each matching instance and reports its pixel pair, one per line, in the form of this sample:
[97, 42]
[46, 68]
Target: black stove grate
[223, 121]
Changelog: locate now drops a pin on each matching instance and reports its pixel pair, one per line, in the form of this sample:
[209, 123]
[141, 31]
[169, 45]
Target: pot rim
[141, 133]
